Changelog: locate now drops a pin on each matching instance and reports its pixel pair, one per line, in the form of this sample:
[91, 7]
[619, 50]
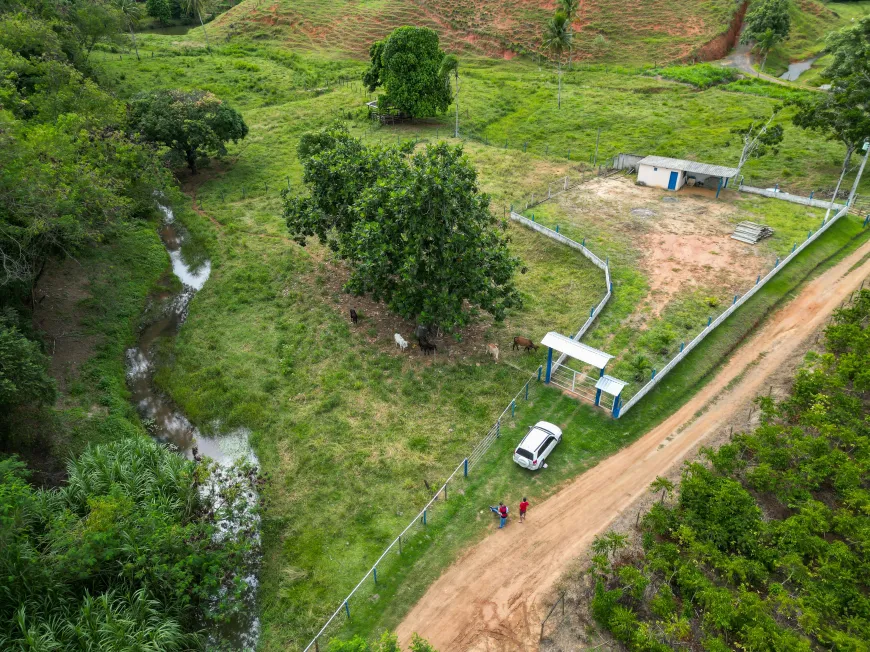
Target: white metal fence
[776, 193]
[731, 309]
[603, 265]
[421, 519]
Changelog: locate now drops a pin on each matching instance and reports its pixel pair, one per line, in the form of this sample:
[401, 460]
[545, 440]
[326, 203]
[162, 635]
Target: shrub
[702, 75]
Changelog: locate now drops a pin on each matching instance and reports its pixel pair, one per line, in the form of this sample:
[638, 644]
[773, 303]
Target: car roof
[539, 432]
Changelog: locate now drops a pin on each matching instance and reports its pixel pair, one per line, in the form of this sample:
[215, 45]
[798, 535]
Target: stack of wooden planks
[751, 233]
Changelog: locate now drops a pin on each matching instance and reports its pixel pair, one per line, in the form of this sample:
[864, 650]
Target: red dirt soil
[492, 598]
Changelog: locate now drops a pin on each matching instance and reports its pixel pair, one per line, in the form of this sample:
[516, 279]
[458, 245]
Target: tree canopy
[770, 15]
[766, 545]
[192, 124]
[414, 226]
[408, 66]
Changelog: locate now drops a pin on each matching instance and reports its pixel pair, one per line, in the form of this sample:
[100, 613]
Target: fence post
[424, 517]
[866, 219]
[735, 300]
[400, 539]
[776, 263]
[498, 428]
[465, 469]
[758, 279]
[812, 192]
[540, 369]
[557, 228]
[316, 646]
[682, 344]
[445, 492]
[709, 321]
[375, 571]
[513, 408]
[583, 244]
[653, 374]
[524, 146]
[347, 609]
[592, 312]
[809, 234]
[794, 247]
[527, 390]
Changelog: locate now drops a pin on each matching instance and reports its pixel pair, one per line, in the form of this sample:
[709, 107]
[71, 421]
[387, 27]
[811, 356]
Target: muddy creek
[169, 425]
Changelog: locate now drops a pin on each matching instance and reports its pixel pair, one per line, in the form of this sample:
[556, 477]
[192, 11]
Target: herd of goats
[427, 346]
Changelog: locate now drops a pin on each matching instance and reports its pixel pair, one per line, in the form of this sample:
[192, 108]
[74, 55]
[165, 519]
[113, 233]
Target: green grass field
[350, 430]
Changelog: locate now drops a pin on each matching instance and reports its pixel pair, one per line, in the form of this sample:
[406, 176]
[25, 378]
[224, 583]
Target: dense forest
[765, 547]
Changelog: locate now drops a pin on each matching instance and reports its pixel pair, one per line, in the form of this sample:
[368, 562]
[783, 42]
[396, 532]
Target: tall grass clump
[702, 75]
[129, 554]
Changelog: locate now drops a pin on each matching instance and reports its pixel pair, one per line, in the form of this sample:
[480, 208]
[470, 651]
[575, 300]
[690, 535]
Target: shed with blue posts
[589, 387]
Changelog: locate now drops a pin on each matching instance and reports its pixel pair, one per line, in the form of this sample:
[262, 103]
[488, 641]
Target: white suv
[537, 444]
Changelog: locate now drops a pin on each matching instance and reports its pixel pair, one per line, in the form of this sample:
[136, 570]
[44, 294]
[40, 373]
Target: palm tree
[450, 64]
[766, 41]
[197, 7]
[557, 39]
[570, 7]
[662, 484]
[131, 12]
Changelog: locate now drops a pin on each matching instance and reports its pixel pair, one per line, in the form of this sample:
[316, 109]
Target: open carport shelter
[674, 173]
[599, 389]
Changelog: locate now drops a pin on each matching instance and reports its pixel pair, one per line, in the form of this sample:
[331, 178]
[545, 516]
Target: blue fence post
[498, 429]
[465, 466]
[617, 404]
[583, 244]
[347, 609]
[794, 247]
[424, 517]
[866, 219]
[557, 228]
[809, 234]
[709, 321]
[611, 287]
[735, 300]
[776, 262]
[776, 187]
[758, 279]
[445, 492]
[513, 408]
[375, 574]
[592, 312]
[524, 146]
[549, 365]
[682, 344]
[540, 369]
[527, 390]
[400, 544]
[812, 192]
[653, 374]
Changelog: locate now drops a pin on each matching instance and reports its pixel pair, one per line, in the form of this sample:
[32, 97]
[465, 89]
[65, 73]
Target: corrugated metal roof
[610, 385]
[576, 350]
[689, 166]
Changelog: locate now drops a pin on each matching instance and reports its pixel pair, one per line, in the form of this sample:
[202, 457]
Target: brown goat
[525, 343]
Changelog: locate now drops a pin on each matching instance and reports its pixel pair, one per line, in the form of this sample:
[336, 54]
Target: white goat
[401, 342]
[492, 349]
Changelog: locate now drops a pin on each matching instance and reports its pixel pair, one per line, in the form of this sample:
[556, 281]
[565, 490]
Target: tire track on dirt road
[493, 596]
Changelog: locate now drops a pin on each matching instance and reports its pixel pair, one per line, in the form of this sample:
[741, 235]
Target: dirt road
[492, 597]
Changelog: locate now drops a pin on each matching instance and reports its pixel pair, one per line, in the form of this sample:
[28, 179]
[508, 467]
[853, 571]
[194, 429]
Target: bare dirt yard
[495, 595]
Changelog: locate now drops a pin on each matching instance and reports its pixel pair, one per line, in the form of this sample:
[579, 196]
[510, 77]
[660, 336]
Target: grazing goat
[353, 316]
[401, 342]
[428, 347]
[492, 349]
[525, 343]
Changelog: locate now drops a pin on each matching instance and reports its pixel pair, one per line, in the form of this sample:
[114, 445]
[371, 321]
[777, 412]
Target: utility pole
[860, 172]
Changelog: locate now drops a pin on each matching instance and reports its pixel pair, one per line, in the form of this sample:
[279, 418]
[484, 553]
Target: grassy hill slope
[606, 30]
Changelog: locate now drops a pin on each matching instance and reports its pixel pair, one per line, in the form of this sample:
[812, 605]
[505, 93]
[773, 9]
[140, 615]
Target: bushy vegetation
[126, 554]
[765, 547]
[408, 66]
[415, 227]
[702, 75]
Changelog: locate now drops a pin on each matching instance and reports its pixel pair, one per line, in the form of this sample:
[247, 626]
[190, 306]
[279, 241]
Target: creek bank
[229, 448]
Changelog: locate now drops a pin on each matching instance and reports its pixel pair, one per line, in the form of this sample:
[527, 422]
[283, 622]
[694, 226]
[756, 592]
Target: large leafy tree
[192, 124]
[23, 367]
[767, 24]
[844, 113]
[414, 226]
[558, 37]
[408, 66]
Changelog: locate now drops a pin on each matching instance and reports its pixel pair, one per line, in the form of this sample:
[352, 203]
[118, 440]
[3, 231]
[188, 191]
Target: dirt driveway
[493, 596]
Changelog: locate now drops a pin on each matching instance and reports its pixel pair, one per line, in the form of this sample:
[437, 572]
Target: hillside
[606, 30]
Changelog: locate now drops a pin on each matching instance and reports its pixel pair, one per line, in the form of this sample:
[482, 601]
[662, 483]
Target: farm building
[674, 173]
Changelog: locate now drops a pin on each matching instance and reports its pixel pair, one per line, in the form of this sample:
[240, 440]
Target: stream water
[797, 68]
[168, 425]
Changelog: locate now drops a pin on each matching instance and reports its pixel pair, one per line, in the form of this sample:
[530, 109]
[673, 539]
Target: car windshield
[524, 453]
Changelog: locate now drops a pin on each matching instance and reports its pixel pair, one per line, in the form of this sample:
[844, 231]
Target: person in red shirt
[523, 507]
[503, 513]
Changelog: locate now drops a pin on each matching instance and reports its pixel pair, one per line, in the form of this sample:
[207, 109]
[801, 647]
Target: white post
[860, 172]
